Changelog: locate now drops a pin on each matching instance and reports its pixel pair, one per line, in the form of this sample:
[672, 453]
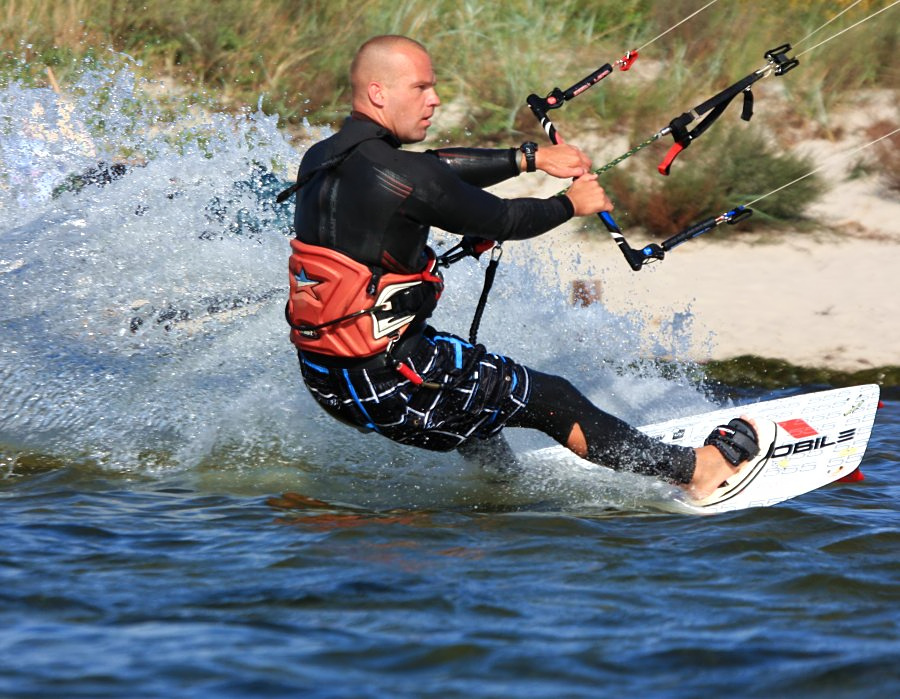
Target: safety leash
[489, 274]
[470, 246]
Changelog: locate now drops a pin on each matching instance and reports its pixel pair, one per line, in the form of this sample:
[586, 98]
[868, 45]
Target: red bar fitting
[626, 60]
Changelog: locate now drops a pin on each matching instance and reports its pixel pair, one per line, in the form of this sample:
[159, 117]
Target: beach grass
[295, 55]
[733, 166]
[291, 58]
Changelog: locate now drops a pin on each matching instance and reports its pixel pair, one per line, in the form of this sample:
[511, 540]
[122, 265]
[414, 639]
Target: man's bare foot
[711, 471]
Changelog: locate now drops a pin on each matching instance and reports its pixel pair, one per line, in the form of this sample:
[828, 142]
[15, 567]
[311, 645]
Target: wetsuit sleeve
[441, 198]
[481, 167]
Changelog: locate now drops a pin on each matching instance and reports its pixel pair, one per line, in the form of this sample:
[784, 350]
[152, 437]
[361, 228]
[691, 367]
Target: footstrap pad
[737, 441]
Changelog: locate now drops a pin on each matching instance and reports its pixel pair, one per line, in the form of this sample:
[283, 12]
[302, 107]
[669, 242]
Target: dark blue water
[179, 519]
[115, 585]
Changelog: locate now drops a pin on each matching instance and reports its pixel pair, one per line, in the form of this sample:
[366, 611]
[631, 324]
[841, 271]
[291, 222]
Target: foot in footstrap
[737, 441]
[744, 444]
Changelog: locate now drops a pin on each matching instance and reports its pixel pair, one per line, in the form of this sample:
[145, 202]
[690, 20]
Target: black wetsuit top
[374, 202]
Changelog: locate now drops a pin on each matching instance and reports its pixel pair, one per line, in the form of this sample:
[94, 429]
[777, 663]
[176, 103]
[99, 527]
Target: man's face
[409, 96]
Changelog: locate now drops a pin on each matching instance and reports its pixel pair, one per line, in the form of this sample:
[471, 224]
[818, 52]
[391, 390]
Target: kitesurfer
[363, 282]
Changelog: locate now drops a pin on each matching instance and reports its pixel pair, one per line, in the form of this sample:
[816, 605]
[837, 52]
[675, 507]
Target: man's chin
[414, 137]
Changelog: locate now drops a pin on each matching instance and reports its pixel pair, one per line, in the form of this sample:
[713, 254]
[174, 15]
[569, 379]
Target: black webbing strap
[303, 179]
[489, 275]
[778, 62]
[715, 105]
[474, 247]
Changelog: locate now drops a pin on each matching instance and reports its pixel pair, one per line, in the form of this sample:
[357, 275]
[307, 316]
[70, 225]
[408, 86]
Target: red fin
[855, 476]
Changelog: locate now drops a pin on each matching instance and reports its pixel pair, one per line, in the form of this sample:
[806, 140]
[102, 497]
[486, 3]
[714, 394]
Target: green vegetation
[292, 58]
[731, 166]
[750, 371]
[296, 54]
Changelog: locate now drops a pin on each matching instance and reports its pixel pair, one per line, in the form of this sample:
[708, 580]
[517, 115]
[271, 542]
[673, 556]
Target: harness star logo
[304, 283]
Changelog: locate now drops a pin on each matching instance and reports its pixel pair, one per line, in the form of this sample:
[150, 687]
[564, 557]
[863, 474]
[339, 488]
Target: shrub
[726, 168]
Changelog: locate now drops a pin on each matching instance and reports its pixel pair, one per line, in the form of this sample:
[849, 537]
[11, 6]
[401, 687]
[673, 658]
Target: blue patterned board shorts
[476, 394]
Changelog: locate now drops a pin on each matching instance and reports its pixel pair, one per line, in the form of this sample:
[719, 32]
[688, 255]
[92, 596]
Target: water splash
[142, 280]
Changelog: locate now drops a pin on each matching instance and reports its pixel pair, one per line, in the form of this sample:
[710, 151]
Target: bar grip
[689, 232]
[609, 222]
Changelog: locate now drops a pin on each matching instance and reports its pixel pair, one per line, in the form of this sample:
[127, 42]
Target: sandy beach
[816, 301]
[821, 298]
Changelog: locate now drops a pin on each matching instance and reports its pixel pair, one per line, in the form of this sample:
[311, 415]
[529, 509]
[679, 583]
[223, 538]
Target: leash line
[675, 26]
[847, 29]
[823, 166]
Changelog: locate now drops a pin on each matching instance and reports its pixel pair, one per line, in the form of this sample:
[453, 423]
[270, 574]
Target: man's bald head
[394, 85]
[379, 60]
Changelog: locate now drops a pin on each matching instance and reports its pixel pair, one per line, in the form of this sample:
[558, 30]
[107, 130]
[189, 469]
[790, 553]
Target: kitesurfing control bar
[554, 100]
[778, 63]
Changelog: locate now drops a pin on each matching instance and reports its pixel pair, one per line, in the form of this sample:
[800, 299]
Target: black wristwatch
[529, 148]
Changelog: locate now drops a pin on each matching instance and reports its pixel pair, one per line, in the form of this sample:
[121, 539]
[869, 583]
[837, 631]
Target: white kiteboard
[820, 438]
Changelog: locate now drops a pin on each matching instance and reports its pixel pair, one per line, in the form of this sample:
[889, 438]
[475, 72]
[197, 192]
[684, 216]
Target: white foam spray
[141, 307]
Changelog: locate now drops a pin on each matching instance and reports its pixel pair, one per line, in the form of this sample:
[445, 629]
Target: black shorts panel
[477, 393]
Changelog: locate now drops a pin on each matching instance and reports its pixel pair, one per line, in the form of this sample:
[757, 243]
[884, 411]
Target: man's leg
[558, 409]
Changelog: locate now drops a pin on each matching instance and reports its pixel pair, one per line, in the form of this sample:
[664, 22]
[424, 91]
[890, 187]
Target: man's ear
[376, 94]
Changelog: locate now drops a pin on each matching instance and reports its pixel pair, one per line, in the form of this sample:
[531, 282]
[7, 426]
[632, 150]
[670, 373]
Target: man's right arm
[441, 198]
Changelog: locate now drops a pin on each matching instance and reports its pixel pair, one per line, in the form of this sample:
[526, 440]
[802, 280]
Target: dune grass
[292, 57]
[296, 54]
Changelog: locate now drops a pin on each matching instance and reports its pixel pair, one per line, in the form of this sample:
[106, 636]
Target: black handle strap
[489, 275]
[779, 63]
